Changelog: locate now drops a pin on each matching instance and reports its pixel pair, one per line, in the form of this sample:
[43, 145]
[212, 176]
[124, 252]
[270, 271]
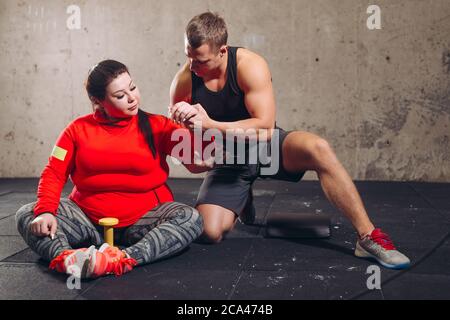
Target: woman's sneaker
[74, 262]
[109, 260]
[378, 246]
[92, 263]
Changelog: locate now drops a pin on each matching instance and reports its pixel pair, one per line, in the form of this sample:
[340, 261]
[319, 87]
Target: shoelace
[123, 265]
[382, 239]
[119, 264]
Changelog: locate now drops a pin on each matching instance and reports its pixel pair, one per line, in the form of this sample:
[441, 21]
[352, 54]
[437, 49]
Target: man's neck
[220, 72]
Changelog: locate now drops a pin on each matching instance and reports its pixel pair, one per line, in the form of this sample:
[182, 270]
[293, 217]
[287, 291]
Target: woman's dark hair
[100, 76]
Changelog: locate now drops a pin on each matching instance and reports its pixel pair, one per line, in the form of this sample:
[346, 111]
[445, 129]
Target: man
[229, 88]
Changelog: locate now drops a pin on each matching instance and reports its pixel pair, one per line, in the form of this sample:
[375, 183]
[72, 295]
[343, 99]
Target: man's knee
[213, 230]
[217, 221]
[322, 153]
[212, 235]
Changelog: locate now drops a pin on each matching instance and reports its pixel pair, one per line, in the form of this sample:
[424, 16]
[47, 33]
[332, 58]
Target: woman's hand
[190, 115]
[182, 111]
[44, 225]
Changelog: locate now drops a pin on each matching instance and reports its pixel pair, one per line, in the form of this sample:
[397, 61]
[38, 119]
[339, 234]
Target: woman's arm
[179, 142]
[55, 174]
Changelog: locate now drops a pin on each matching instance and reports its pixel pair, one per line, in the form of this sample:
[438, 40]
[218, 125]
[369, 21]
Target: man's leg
[304, 151]
[217, 222]
[222, 197]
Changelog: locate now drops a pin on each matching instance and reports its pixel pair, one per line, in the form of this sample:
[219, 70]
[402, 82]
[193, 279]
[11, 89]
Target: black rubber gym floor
[249, 266]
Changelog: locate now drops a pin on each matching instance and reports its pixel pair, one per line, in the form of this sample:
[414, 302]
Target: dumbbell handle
[108, 224]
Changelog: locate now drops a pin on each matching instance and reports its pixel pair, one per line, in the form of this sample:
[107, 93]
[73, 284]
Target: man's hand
[183, 112]
[44, 225]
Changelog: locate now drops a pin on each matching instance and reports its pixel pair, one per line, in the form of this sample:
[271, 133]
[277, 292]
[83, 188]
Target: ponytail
[146, 130]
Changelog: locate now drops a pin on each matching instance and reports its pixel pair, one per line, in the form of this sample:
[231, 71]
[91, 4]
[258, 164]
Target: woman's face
[122, 97]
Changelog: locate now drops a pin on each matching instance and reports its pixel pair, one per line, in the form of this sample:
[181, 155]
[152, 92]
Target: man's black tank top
[226, 105]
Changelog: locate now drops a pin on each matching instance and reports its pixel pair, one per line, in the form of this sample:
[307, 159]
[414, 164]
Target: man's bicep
[257, 86]
[176, 93]
[180, 89]
[260, 103]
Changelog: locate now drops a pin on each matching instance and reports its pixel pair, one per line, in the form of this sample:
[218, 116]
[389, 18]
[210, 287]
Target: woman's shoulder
[82, 120]
[161, 122]
[157, 119]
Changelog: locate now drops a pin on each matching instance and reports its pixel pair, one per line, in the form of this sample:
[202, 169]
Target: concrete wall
[380, 97]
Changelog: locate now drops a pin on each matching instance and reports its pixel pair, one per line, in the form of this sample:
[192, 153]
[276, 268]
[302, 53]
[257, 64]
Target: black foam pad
[297, 225]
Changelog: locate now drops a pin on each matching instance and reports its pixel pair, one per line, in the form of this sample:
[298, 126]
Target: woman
[116, 158]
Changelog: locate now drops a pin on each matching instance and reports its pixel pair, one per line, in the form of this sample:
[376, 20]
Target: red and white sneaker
[378, 246]
[74, 262]
[109, 260]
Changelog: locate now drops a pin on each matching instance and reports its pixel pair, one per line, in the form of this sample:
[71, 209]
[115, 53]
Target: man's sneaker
[378, 246]
[109, 260]
[74, 262]
[248, 214]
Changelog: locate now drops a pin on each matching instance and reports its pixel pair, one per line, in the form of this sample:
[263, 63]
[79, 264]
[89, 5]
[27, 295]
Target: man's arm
[180, 90]
[181, 87]
[255, 81]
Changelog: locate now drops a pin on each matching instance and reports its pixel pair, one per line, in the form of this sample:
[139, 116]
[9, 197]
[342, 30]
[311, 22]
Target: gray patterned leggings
[165, 230]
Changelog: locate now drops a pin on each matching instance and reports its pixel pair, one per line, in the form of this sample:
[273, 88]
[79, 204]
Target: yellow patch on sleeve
[59, 153]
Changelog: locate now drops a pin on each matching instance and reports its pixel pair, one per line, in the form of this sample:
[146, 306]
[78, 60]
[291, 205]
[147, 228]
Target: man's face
[203, 59]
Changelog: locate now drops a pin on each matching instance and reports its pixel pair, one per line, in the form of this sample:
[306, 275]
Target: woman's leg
[164, 231]
[74, 229]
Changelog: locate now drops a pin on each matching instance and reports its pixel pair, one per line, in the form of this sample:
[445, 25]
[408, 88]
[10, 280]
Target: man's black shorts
[229, 186]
